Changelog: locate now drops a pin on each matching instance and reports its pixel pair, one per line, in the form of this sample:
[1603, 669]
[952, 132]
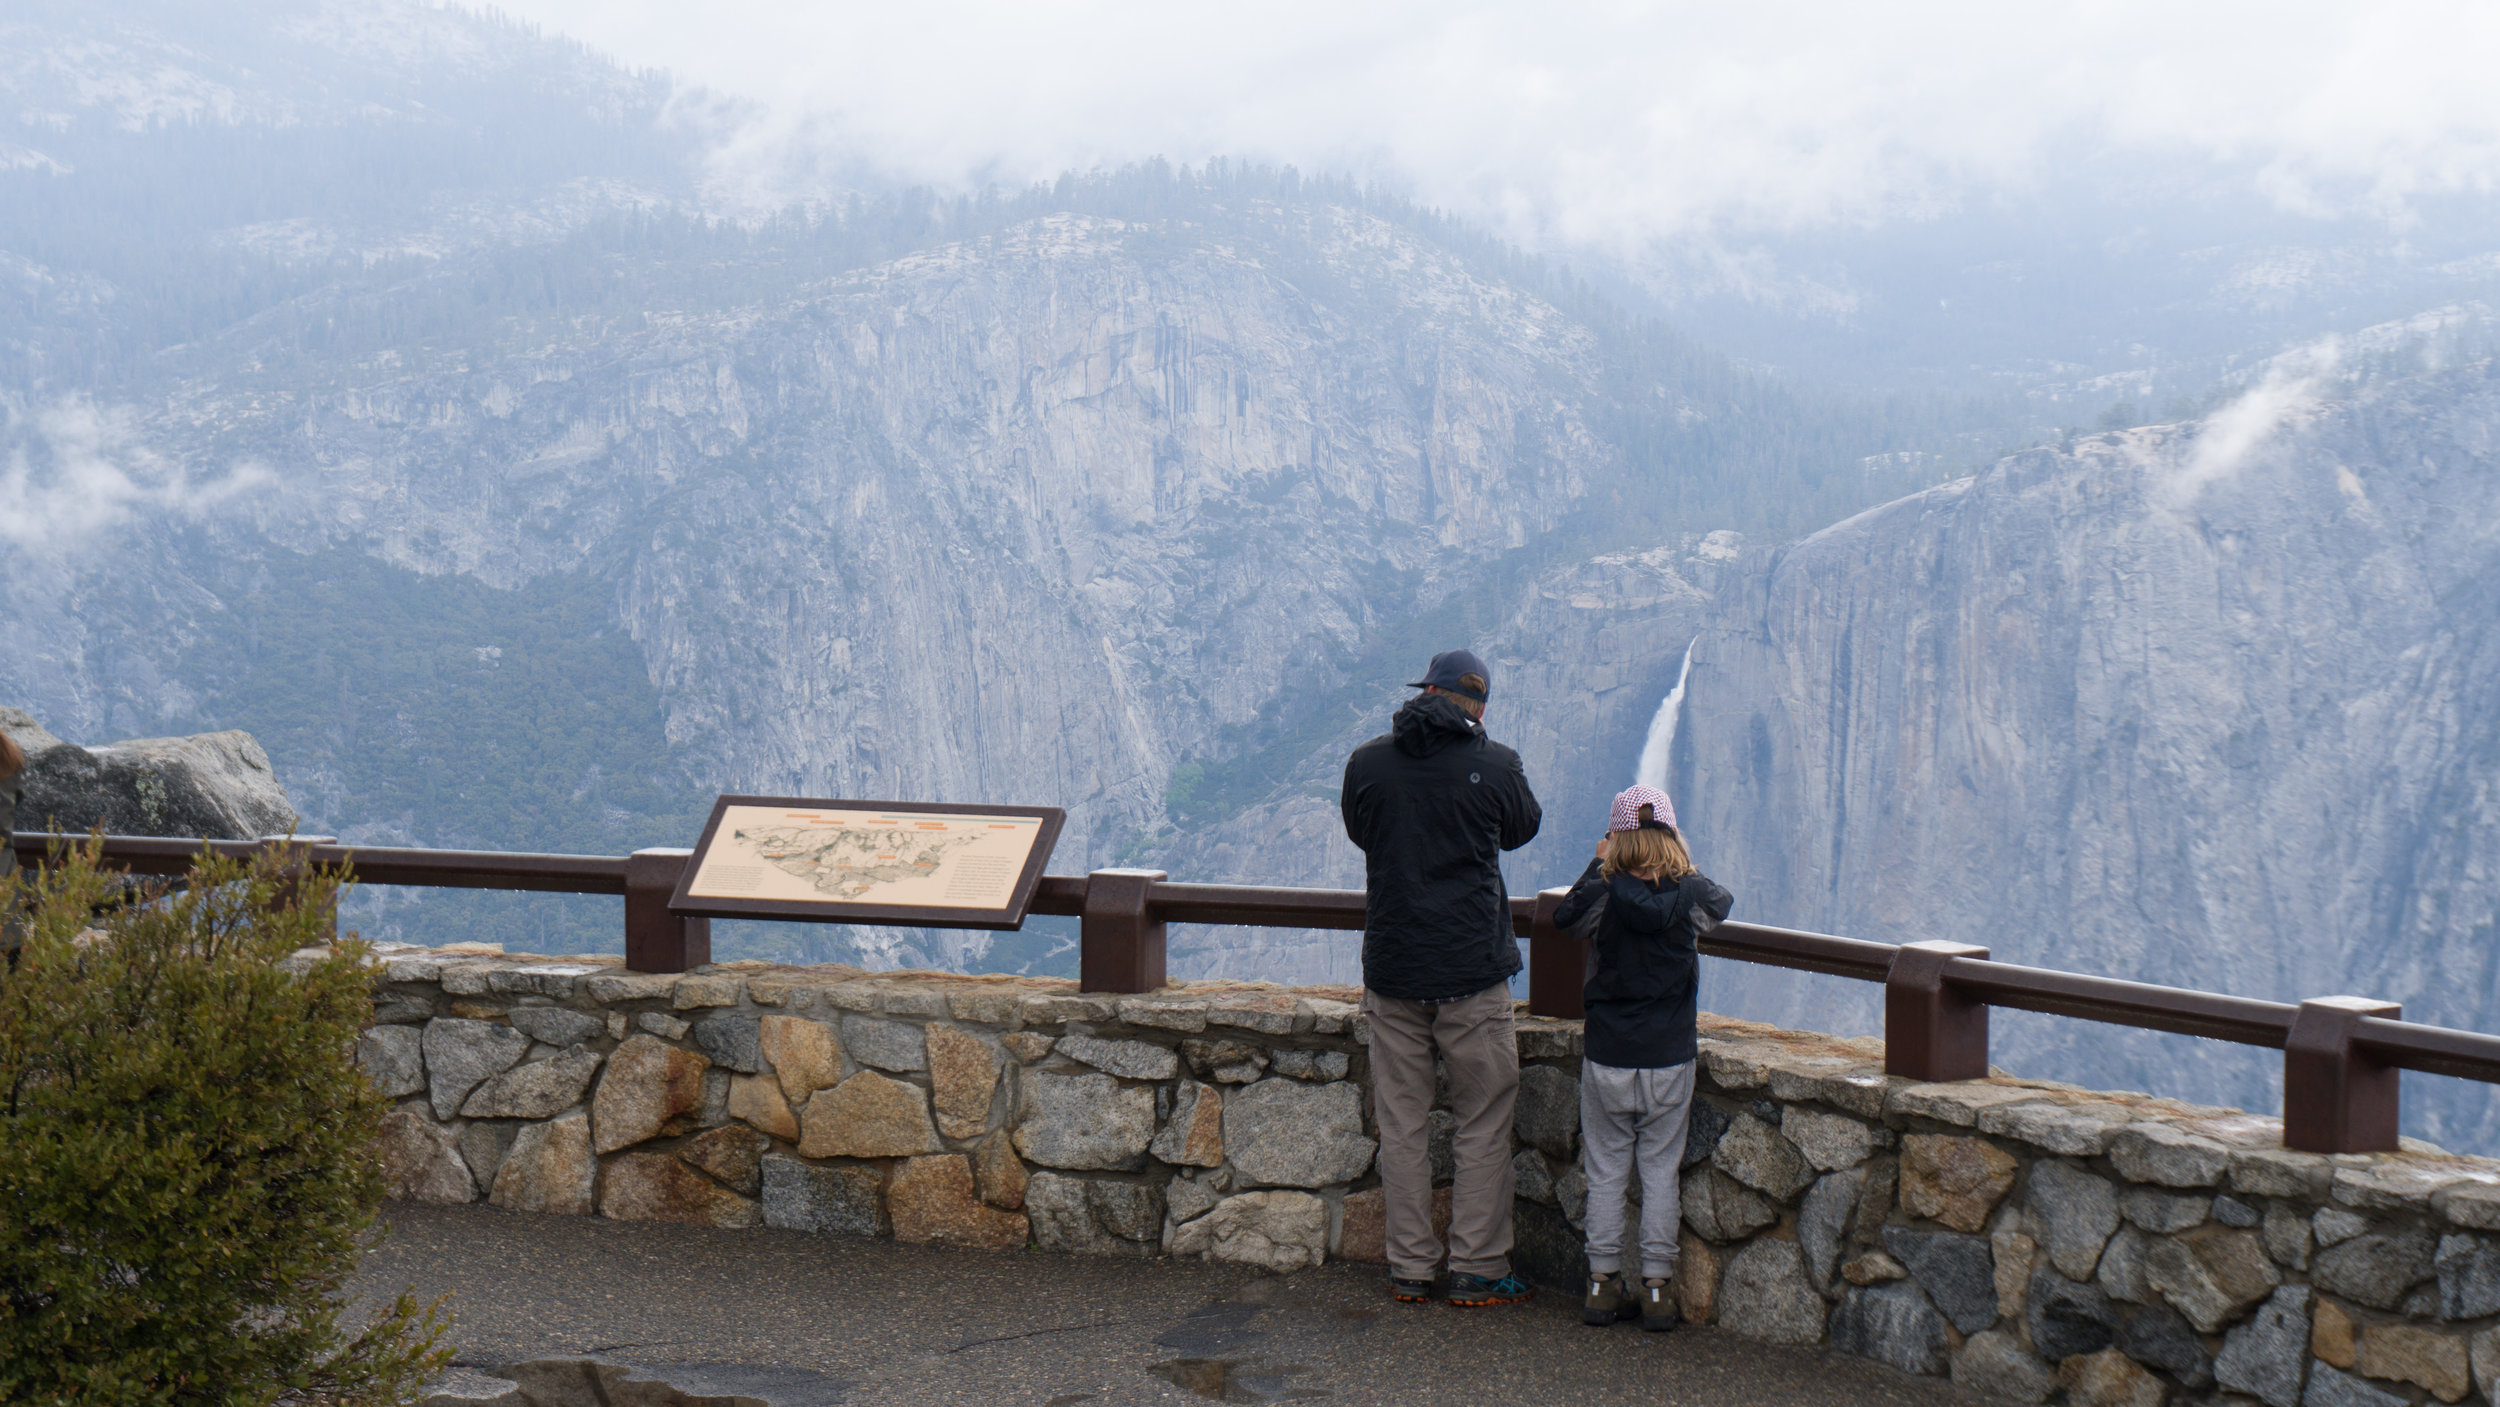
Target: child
[1636, 1082]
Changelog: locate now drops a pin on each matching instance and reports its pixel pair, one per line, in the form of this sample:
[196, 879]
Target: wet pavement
[797, 1320]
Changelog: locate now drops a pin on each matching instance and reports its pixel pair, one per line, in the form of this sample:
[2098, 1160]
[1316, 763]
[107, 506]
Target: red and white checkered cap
[1627, 816]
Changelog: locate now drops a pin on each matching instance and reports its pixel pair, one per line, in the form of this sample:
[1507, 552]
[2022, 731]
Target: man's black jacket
[1433, 803]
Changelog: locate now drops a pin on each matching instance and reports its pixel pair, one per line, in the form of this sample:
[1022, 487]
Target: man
[1433, 803]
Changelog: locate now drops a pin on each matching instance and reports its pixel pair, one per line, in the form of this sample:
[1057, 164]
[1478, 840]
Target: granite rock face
[2013, 767]
[846, 1200]
[804, 1055]
[1995, 1365]
[868, 1116]
[1547, 1115]
[658, 1187]
[555, 1026]
[1893, 1324]
[421, 1160]
[932, 1199]
[1957, 1181]
[731, 1042]
[1093, 1216]
[548, 1168]
[1085, 1121]
[1193, 1136]
[217, 785]
[461, 1054]
[649, 1088]
[758, 1100]
[1761, 1157]
[1276, 1231]
[963, 1075]
[1285, 1133]
[2081, 1211]
[2068, 1317]
[539, 1089]
[2375, 1269]
[1764, 1294]
[391, 1059]
[731, 1154]
[2268, 1357]
[1957, 1272]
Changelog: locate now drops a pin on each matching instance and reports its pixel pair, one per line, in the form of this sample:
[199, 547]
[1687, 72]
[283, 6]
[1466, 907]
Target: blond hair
[1648, 853]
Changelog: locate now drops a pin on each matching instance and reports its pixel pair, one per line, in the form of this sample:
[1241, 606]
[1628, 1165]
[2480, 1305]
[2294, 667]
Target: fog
[1606, 126]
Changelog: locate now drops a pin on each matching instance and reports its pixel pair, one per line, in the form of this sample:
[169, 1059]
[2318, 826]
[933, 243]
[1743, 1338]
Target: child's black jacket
[1641, 993]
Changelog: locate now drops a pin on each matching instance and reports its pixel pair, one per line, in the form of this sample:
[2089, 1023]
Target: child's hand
[1601, 846]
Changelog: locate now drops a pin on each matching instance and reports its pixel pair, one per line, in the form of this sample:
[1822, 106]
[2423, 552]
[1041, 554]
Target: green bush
[186, 1165]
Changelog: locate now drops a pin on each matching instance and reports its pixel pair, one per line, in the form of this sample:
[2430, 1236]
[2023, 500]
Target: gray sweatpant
[1476, 1041]
[1626, 1114]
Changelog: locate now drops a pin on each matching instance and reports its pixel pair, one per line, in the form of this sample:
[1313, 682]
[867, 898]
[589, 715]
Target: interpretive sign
[868, 861]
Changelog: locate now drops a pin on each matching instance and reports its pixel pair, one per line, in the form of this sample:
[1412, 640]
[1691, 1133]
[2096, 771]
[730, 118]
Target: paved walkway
[809, 1321]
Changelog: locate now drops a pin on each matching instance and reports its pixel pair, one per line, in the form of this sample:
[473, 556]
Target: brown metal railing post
[295, 848]
[1931, 1032]
[2336, 1099]
[1119, 935]
[1557, 962]
[655, 939]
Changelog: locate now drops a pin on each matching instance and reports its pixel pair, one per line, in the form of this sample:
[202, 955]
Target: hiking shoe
[1475, 1291]
[1607, 1301]
[1410, 1291]
[1656, 1308]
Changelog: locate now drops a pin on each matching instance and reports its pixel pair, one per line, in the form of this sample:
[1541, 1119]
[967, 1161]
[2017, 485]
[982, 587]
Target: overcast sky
[1608, 124]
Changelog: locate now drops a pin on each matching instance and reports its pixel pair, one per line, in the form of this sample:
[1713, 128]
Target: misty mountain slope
[1009, 520]
[137, 64]
[2215, 705]
[175, 168]
[1084, 512]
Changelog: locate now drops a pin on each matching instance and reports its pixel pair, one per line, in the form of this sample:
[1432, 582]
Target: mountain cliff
[2215, 705]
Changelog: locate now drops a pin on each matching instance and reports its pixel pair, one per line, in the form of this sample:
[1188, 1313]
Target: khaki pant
[1474, 1039]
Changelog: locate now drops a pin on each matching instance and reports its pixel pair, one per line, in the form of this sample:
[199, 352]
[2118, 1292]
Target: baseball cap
[1627, 812]
[1446, 667]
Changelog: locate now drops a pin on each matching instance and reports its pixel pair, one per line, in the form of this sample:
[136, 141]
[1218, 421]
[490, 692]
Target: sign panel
[868, 862]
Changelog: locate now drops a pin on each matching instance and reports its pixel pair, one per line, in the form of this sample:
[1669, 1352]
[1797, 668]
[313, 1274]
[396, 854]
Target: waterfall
[1658, 750]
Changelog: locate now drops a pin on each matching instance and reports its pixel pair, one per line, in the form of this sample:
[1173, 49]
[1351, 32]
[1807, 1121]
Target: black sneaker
[1607, 1301]
[1410, 1291]
[1657, 1309]
[1476, 1292]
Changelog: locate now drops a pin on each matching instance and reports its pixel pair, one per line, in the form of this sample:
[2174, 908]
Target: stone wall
[2029, 1239]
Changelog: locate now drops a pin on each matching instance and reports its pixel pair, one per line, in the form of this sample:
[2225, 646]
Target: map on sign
[884, 858]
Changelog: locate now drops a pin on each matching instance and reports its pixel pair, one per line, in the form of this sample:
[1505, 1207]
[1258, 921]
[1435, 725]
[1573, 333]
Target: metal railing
[2341, 1055]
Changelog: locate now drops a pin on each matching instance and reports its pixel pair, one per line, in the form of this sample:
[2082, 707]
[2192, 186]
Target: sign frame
[1007, 919]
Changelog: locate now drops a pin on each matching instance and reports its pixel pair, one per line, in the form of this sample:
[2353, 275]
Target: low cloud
[77, 473]
[2231, 437]
[1596, 125]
